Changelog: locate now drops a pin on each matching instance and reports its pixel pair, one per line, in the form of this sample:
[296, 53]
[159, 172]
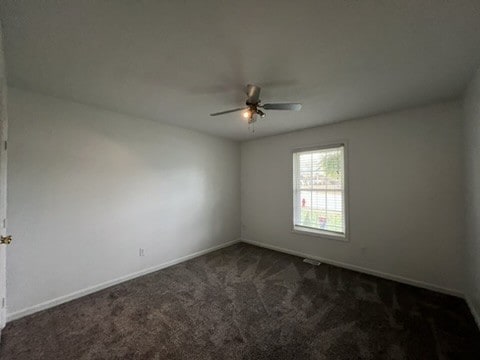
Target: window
[319, 191]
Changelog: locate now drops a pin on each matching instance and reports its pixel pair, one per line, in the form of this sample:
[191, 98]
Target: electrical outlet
[141, 252]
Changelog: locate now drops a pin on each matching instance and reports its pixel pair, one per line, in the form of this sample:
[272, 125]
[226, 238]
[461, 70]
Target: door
[4, 240]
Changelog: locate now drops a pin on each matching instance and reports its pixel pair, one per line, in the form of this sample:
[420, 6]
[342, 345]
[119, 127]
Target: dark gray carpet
[245, 302]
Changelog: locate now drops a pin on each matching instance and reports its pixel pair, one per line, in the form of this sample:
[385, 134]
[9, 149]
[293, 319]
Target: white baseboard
[77, 294]
[381, 274]
[65, 298]
[473, 310]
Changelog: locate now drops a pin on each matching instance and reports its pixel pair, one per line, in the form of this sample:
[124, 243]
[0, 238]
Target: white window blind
[319, 190]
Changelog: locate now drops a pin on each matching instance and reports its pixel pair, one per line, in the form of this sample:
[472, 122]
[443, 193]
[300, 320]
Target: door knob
[6, 239]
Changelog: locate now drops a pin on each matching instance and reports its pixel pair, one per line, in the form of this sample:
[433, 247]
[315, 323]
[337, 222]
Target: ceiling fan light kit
[253, 105]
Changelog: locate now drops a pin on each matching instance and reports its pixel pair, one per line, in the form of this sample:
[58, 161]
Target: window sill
[319, 233]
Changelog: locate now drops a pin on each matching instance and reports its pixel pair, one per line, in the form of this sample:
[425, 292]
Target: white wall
[3, 163]
[472, 156]
[88, 188]
[406, 195]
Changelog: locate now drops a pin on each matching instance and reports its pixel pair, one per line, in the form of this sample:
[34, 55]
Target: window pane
[319, 189]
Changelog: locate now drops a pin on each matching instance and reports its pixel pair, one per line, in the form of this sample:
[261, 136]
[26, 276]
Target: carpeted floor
[244, 302]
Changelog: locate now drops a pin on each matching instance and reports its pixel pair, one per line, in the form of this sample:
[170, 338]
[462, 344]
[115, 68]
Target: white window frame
[300, 230]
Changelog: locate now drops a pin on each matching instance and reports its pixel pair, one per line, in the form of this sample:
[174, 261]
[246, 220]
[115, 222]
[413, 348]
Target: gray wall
[88, 188]
[406, 195]
[472, 141]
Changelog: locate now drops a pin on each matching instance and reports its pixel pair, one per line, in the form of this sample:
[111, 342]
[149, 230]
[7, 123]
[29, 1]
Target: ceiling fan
[253, 105]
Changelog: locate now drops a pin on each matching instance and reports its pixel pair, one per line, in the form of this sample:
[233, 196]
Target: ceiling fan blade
[228, 111]
[283, 106]
[253, 93]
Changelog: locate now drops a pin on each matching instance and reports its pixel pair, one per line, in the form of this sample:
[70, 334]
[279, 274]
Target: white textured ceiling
[177, 61]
